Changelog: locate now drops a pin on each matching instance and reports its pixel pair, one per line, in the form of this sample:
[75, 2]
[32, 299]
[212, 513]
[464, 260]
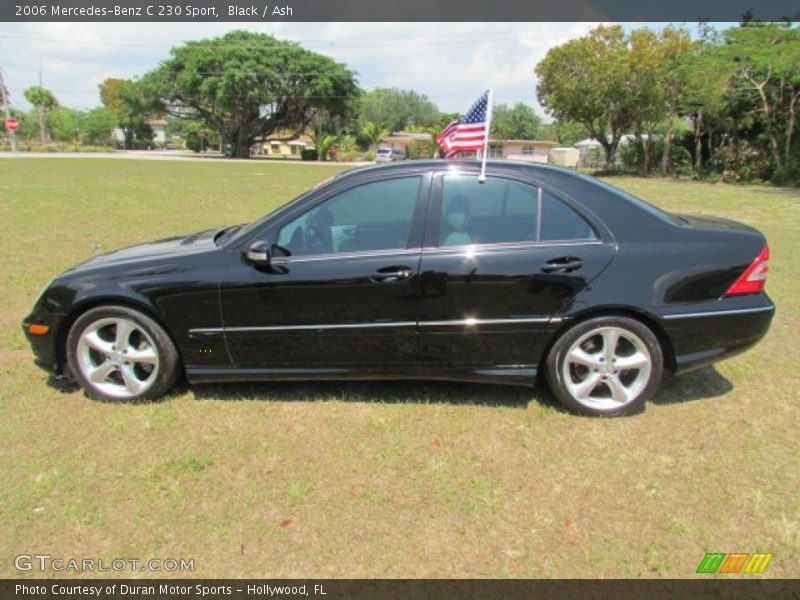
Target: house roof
[525, 142]
[287, 138]
[408, 136]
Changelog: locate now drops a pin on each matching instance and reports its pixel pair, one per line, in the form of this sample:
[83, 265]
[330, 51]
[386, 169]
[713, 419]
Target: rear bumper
[705, 336]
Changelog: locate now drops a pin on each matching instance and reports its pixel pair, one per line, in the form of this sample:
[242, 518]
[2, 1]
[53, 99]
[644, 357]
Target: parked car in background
[389, 155]
[418, 270]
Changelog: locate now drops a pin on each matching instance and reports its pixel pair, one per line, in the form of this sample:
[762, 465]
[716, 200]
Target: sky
[451, 63]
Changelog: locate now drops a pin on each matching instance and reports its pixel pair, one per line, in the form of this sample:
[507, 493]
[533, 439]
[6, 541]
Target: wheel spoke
[124, 330]
[634, 361]
[147, 355]
[610, 340]
[101, 373]
[97, 343]
[618, 391]
[580, 356]
[132, 383]
[586, 387]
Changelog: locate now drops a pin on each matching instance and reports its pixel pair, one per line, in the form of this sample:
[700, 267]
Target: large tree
[586, 80]
[518, 122]
[97, 126]
[676, 48]
[397, 109]
[765, 59]
[132, 107]
[246, 85]
[44, 100]
[644, 82]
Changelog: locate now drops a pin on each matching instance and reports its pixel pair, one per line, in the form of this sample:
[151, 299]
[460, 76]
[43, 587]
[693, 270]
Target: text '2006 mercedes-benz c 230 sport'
[418, 270]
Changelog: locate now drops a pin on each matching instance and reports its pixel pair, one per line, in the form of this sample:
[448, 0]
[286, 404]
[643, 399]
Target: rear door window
[496, 211]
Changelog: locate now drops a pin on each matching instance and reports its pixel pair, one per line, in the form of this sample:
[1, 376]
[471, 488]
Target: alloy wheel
[118, 357]
[607, 368]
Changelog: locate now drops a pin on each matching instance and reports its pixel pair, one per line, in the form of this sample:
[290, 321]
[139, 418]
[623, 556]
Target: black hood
[173, 247]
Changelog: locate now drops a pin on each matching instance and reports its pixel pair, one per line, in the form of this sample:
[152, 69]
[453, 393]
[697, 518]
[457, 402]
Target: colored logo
[719, 562]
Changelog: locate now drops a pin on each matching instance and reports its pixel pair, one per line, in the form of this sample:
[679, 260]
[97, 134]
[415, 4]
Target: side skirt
[524, 375]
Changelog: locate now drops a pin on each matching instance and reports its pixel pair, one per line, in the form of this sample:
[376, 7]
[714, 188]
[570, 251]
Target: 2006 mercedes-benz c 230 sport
[418, 270]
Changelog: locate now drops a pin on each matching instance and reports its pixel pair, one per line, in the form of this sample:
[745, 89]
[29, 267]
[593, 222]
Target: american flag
[467, 133]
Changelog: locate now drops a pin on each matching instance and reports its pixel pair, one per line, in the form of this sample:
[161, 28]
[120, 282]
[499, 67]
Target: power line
[320, 44]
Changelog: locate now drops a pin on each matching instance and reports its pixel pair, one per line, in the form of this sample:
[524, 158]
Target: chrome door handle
[389, 274]
[567, 264]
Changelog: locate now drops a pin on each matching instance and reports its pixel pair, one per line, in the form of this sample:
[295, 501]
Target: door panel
[487, 306]
[341, 288]
[485, 300]
[334, 311]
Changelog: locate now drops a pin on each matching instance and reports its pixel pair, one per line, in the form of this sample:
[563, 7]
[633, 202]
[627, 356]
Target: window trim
[413, 238]
[433, 227]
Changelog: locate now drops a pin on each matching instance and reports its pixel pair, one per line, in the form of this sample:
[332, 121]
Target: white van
[389, 155]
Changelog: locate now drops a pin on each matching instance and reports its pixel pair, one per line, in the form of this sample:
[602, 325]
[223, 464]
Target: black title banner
[390, 589]
[396, 10]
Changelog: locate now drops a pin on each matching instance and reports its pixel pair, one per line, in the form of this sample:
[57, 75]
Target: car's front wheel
[119, 354]
[605, 366]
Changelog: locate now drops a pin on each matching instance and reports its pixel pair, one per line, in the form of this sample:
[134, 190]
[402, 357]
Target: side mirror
[258, 253]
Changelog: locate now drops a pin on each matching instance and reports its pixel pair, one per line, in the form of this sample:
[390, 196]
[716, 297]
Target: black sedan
[419, 270]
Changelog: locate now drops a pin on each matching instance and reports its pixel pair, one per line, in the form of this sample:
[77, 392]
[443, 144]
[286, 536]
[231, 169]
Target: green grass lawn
[412, 479]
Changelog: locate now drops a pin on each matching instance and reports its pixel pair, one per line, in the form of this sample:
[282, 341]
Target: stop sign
[12, 124]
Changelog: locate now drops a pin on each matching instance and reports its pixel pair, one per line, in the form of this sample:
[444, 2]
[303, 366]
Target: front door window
[372, 216]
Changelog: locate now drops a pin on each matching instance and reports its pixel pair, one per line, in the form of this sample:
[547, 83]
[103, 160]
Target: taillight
[755, 276]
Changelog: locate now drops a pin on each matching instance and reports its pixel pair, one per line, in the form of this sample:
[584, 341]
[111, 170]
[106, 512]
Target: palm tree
[433, 144]
[323, 140]
[43, 99]
[373, 133]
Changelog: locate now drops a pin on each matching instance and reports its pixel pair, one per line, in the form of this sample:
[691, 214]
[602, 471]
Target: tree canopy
[132, 108]
[246, 85]
[518, 122]
[397, 109]
[585, 80]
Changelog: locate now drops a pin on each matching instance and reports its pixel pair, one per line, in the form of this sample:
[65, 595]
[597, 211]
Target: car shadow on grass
[373, 392]
[703, 384]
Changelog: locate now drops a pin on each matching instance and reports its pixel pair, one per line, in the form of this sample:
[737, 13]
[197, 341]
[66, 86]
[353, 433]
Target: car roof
[631, 216]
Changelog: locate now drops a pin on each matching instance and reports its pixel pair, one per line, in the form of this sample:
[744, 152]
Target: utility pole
[12, 134]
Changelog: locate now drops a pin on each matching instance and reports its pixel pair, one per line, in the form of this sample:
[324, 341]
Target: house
[286, 145]
[529, 150]
[159, 127]
[401, 140]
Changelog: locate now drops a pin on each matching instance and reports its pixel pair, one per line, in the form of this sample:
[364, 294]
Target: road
[164, 155]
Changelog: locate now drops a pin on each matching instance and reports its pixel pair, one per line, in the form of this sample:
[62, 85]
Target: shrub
[741, 164]
[348, 156]
[308, 154]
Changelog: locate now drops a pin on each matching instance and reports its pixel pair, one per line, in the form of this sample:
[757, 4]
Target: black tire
[603, 400]
[147, 336]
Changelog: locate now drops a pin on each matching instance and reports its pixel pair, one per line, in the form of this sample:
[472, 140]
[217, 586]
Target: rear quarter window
[561, 222]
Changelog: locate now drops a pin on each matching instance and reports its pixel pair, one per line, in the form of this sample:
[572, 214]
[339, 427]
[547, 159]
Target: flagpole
[482, 176]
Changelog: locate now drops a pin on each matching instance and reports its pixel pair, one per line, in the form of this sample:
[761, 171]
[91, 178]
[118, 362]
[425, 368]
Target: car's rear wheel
[605, 366]
[119, 354]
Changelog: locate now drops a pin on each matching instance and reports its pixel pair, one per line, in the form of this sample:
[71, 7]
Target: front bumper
[45, 347]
